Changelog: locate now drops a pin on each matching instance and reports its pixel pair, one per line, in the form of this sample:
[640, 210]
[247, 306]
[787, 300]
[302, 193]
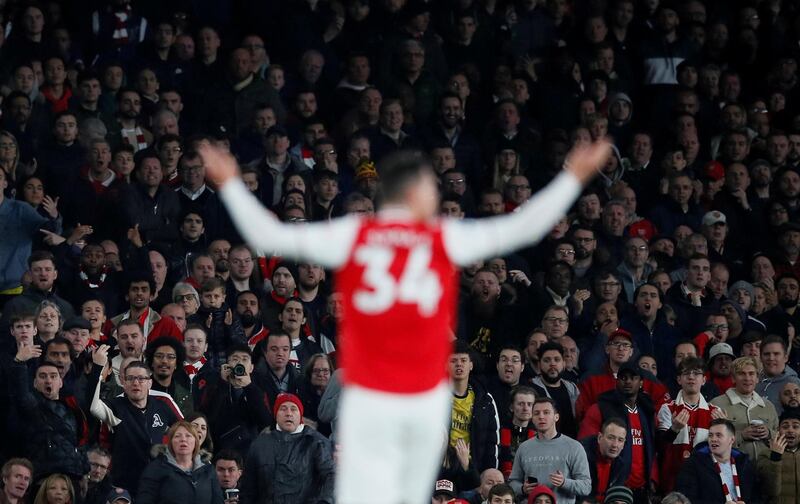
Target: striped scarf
[134, 137]
[120, 35]
[193, 368]
[728, 496]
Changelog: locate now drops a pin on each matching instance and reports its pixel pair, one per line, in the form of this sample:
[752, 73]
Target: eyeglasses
[620, 345]
[321, 371]
[566, 252]
[455, 181]
[555, 320]
[137, 379]
[640, 248]
[183, 297]
[163, 356]
[512, 360]
[717, 327]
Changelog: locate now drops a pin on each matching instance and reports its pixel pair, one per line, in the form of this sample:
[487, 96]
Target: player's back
[399, 293]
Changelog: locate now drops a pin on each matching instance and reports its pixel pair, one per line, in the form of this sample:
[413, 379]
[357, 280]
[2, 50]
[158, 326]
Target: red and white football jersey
[399, 303]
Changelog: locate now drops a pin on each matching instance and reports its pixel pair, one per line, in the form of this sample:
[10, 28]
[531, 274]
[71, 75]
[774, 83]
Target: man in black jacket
[149, 205]
[716, 472]
[474, 419]
[603, 453]
[237, 408]
[53, 424]
[293, 463]
[135, 421]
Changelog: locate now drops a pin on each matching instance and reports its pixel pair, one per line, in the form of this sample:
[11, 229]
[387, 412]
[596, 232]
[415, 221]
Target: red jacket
[594, 385]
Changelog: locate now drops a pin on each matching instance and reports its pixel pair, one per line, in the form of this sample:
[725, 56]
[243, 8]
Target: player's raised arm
[470, 240]
[325, 243]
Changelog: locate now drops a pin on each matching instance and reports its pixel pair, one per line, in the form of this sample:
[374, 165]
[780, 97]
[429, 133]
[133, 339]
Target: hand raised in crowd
[135, 236]
[462, 452]
[580, 297]
[51, 238]
[228, 317]
[27, 351]
[50, 206]
[100, 355]
[518, 276]
[680, 420]
[79, 233]
[778, 443]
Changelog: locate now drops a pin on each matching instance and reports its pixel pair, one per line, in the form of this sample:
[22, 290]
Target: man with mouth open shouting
[397, 272]
[779, 469]
[718, 472]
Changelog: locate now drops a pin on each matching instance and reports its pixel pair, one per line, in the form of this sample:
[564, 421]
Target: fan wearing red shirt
[397, 275]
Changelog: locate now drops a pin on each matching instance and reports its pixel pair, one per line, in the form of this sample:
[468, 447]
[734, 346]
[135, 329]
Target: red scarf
[728, 496]
[120, 35]
[89, 283]
[194, 368]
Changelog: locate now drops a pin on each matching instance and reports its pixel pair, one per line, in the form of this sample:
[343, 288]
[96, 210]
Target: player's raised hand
[220, 165]
[584, 161]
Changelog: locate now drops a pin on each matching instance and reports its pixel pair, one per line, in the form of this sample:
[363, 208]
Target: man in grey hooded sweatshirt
[774, 357]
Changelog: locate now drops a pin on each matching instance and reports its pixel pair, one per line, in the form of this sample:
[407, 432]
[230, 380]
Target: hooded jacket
[484, 430]
[770, 387]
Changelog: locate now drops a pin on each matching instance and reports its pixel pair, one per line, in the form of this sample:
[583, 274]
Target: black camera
[239, 370]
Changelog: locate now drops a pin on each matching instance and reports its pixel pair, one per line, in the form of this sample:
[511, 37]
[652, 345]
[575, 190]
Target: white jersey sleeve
[664, 418]
[325, 243]
[467, 241]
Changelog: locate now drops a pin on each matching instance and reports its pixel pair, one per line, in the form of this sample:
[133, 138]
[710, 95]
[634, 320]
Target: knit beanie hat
[282, 398]
[619, 494]
[741, 284]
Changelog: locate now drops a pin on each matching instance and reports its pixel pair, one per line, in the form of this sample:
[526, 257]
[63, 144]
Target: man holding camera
[237, 408]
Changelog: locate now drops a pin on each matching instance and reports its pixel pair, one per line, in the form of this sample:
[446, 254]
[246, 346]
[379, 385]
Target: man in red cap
[619, 349]
[290, 464]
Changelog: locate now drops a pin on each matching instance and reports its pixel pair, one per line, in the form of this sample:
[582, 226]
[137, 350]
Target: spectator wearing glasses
[634, 268]
[121, 417]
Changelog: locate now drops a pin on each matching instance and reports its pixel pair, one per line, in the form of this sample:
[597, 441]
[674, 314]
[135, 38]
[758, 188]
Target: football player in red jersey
[397, 275]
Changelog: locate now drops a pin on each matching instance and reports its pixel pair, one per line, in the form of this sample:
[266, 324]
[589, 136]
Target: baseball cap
[620, 333]
[119, 493]
[714, 217]
[444, 487]
[629, 367]
[77, 323]
[721, 349]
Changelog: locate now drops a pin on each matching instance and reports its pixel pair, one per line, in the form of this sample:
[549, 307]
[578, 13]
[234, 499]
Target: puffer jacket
[163, 482]
[288, 468]
[780, 476]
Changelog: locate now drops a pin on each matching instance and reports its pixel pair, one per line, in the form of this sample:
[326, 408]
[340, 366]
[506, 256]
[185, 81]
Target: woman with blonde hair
[179, 475]
[506, 164]
[56, 489]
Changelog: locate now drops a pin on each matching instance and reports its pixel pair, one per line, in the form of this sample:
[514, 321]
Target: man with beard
[139, 296]
[652, 334]
[449, 130]
[551, 384]
[719, 376]
[219, 251]
[790, 395]
[787, 288]
[127, 129]
[718, 472]
[517, 429]
[683, 423]
[163, 356]
[585, 247]
[284, 286]
[130, 343]
[779, 469]
[509, 367]
[627, 401]
[242, 263]
[248, 308]
[603, 454]
[135, 420]
[484, 323]
[309, 281]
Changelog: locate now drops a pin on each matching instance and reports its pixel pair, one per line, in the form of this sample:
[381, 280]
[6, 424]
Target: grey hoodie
[770, 388]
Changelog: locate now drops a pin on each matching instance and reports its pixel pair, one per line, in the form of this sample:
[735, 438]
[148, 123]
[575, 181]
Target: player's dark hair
[399, 170]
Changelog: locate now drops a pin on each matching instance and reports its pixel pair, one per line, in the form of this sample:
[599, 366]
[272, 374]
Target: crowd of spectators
[645, 350]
